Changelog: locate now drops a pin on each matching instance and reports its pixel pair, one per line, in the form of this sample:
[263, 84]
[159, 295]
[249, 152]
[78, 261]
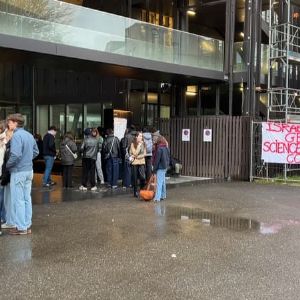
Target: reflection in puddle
[233, 223]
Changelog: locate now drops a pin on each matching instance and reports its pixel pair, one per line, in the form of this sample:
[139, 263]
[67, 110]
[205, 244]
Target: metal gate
[227, 155]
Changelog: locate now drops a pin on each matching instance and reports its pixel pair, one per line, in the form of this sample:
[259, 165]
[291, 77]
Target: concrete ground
[206, 241]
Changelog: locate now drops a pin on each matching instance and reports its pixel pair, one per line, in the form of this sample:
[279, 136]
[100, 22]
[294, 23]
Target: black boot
[135, 193]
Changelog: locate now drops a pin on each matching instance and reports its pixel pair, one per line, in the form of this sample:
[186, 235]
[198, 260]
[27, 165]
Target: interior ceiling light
[242, 34]
[191, 12]
[191, 90]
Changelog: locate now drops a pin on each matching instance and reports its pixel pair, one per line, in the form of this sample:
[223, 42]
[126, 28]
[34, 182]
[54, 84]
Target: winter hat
[87, 131]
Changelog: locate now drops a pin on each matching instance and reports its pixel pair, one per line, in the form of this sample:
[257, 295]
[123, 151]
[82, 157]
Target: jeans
[112, 171]
[49, 161]
[9, 207]
[161, 190]
[20, 187]
[99, 172]
[2, 207]
[126, 174]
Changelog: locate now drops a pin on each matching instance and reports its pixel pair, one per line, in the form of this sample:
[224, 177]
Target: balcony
[58, 28]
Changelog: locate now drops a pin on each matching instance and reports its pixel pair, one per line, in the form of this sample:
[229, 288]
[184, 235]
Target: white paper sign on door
[207, 135]
[186, 135]
[120, 125]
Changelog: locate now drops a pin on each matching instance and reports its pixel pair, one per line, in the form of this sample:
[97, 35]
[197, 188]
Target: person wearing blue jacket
[161, 162]
[22, 151]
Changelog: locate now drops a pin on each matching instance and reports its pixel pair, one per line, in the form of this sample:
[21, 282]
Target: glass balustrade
[239, 58]
[62, 23]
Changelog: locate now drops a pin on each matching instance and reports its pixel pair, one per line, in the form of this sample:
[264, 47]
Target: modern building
[64, 62]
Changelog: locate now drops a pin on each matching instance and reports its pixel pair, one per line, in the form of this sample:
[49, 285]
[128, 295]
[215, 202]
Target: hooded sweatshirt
[148, 143]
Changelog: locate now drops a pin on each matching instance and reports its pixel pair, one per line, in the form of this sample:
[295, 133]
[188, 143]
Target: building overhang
[119, 65]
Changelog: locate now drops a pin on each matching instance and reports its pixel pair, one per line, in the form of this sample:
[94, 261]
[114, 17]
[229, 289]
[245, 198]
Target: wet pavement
[206, 241]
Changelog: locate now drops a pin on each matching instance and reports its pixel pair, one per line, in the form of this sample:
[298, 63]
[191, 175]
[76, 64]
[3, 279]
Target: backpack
[149, 146]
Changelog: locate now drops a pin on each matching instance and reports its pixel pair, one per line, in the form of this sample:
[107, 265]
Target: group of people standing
[141, 154]
[144, 154]
[17, 150]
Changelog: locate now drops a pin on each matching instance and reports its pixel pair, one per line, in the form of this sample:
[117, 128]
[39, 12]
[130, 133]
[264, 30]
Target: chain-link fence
[269, 171]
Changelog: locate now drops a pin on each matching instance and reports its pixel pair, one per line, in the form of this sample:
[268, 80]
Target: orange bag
[148, 193]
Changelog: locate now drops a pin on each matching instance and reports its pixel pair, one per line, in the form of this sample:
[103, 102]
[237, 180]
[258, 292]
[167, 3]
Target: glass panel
[6, 110]
[74, 120]
[151, 114]
[26, 111]
[92, 115]
[42, 120]
[62, 23]
[238, 57]
[57, 119]
[165, 112]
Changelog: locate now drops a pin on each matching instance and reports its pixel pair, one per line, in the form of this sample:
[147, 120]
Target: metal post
[199, 102]
[158, 99]
[128, 90]
[146, 87]
[147, 10]
[247, 50]
[251, 151]
[217, 100]
[34, 128]
[129, 8]
[229, 44]
[258, 51]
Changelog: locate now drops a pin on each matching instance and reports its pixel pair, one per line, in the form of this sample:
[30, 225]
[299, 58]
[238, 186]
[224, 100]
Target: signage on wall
[280, 143]
[186, 135]
[120, 125]
[207, 135]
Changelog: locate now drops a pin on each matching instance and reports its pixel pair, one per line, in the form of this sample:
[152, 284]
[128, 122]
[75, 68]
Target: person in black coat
[49, 152]
[160, 167]
[68, 152]
[111, 152]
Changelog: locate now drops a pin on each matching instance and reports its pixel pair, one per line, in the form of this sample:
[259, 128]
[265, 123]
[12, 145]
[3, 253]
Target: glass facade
[92, 115]
[65, 24]
[74, 119]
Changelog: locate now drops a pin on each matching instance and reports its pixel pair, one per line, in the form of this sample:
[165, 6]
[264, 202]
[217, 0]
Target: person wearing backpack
[89, 149]
[68, 153]
[111, 152]
[137, 157]
[149, 147]
[124, 147]
[99, 171]
[160, 166]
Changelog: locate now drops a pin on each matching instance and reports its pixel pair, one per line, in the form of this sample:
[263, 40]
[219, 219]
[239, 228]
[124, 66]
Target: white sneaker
[7, 226]
[94, 188]
[82, 188]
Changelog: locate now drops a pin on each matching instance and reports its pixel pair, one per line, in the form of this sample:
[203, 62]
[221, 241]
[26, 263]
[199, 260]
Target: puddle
[229, 222]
